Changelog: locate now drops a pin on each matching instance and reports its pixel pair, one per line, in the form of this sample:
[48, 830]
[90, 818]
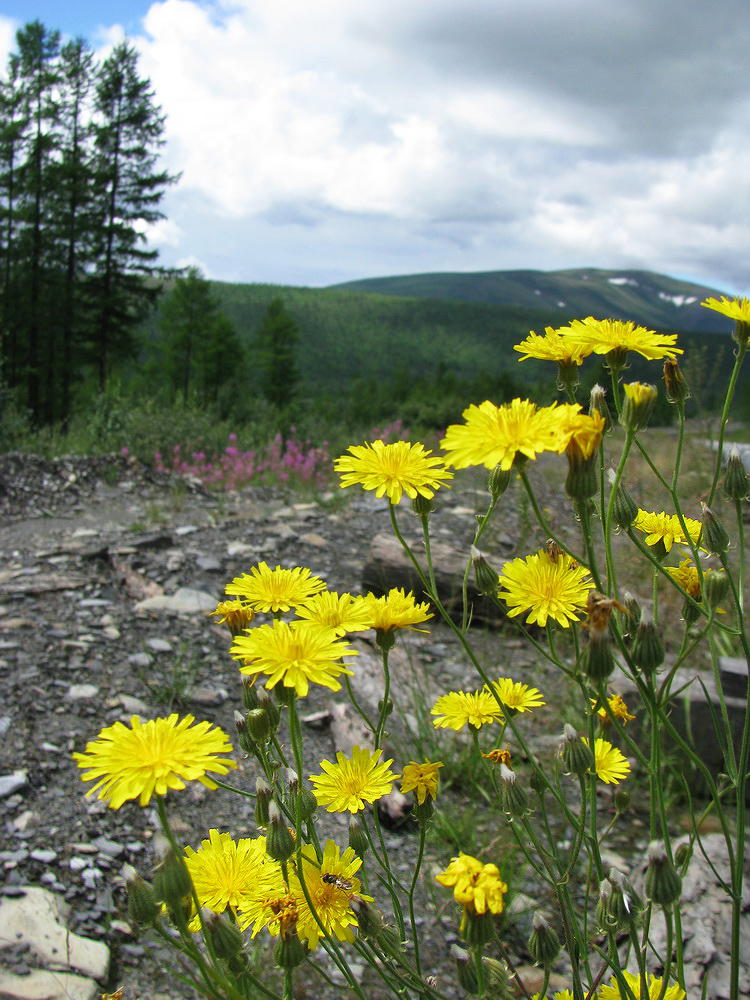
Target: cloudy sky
[325, 140]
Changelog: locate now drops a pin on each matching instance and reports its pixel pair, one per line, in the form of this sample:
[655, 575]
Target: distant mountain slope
[654, 300]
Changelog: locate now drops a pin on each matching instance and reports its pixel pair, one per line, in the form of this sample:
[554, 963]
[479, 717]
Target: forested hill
[654, 300]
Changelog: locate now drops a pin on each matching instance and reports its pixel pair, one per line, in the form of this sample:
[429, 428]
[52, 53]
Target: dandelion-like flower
[612, 991]
[351, 782]
[236, 615]
[296, 653]
[151, 757]
[686, 574]
[458, 709]
[610, 765]
[559, 995]
[553, 346]
[517, 696]
[422, 779]
[266, 589]
[666, 528]
[617, 707]
[737, 309]
[225, 872]
[475, 885]
[393, 469]
[396, 609]
[605, 335]
[547, 586]
[342, 613]
[494, 435]
[331, 887]
[578, 434]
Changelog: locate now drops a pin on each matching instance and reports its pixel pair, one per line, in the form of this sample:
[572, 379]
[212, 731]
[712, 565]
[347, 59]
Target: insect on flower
[600, 610]
[345, 884]
[553, 550]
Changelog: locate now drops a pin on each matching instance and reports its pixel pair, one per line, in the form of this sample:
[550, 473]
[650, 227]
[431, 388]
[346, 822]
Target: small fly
[345, 884]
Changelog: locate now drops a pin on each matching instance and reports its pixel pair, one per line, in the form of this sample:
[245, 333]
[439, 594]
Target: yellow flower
[396, 609]
[393, 469]
[618, 708]
[150, 758]
[422, 779]
[605, 335]
[236, 615]
[297, 653]
[546, 586]
[560, 995]
[517, 696]
[275, 590]
[553, 346]
[476, 886]
[458, 709]
[224, 872]
[609, 763]
[340, 612]
[612, 991]
[494, 435]
[686, 574]
[666, 528]
[737, 309]
[331, 886]
[578, 433]
[498, 756]
[351, 782]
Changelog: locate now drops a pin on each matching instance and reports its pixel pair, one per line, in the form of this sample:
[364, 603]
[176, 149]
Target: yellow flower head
[396, 609]
[686, 574]
[737, 309]
[553, 346]
[297, 653]
[393, 469]
[517, 696]
[153, 756]
[224, 872]
[666, 528]
[617, 707]
[605, 335]
[340, 612]
[331, 886]
[546, 586]
[235, 614]
[458, 709]
[351, 782]
[613, 992]
[266, 589]
[495, 435]
[422, 779]
[476, 886]
[559, 995]
[577, 433]
[611, 767]
[498, 756]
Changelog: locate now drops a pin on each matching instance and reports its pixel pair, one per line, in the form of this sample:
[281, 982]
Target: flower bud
[715, 588]
[422, 506]
[466, 970]
[385, 639]
[247, 743]
[735, 485]
[677, 388]
[515, 801]
[715, 537]
[279, 840]
[258, 725]
[387, 705]
[357, 837]
[544, 944]
[567, 376]
[648, 650]
[637, 405]
[263, 797]
[618, 905]
[476, 928]
[172, 883]
[289, 951]
[577, 756]
[498, 481]
[682, 854]
[486, 579]
[598, 403]
[663, 884]
[226, 937]
[249, 694]
[624, 509]
[582, 480]
[308, 803]
[622, 799]
[633, 609]
[142, 906]
[269, 706]
[498, 979]
[597, 660]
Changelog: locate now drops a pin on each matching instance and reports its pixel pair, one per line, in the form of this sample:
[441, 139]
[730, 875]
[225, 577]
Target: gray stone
[208, 564]
[159, 645]
[81, 692]
[43, 985]
[46, 856]
[183, 601]
[211, 697]
[10, 783]
[140, 660]
[134, 706]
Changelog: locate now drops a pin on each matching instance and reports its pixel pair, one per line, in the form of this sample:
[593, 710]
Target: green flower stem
[730, 760]
[288, 984]
[584, 515]
[543, 523]
[656, 788]
[669, 924]
[619, 472]
[465, 582]
[379, 732]
[739, 356]
[426, 535]
[357, 707]
[680, 445]
[740, 554]
[476, 954]
[279, 750]
[649, 461]
[655, 594]
[412, 890]
[390, 877]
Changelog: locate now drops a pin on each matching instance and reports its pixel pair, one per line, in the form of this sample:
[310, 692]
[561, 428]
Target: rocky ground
[107, 572]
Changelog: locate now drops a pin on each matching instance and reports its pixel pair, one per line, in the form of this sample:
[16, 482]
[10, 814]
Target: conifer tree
[276, 355]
